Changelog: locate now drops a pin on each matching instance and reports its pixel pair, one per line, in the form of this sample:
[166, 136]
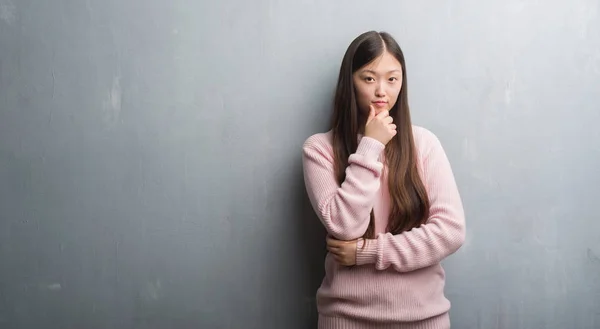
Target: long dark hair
[409, 201]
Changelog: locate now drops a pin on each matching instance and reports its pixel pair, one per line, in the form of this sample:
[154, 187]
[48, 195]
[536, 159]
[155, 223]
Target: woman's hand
[380, 126]
[344, 252]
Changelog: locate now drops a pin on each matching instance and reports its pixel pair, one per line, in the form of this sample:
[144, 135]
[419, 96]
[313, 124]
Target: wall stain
[7, 12]
[592, 256]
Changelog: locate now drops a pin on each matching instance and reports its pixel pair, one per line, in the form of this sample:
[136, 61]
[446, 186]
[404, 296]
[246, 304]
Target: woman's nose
[380, 91]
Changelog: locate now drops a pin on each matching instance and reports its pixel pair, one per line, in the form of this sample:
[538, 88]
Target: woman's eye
[393, 79]
[369, 79]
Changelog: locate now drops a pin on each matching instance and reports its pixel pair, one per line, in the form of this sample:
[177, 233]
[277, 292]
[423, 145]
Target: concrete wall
[150, 172]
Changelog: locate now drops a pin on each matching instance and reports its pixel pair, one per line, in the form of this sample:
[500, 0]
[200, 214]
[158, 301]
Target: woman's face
[378, 83]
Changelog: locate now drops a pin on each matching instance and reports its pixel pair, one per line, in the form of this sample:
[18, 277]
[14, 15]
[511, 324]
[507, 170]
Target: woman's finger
[332, 242]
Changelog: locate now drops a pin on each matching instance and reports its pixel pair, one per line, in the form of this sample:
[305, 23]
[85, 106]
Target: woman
[386, 194]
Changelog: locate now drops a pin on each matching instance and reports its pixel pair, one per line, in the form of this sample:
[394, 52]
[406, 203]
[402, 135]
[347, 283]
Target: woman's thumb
[371, 113]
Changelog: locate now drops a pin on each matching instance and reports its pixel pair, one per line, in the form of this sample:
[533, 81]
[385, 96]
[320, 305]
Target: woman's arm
[442, 234]
[344, 210]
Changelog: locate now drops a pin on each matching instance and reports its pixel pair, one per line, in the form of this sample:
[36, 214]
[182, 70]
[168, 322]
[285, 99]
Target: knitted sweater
[398, 281]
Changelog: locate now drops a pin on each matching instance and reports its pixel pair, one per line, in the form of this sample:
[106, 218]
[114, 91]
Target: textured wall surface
[150, 172]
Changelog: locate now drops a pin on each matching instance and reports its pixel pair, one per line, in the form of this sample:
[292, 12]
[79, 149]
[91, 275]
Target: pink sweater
[399, 282]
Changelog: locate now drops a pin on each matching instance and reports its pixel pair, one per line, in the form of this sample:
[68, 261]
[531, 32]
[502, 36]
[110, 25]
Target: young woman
[386, 194]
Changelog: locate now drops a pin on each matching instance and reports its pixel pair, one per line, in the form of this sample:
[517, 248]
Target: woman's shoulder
[425, 139]
[323, 139]
[423, 134]
[319, 142]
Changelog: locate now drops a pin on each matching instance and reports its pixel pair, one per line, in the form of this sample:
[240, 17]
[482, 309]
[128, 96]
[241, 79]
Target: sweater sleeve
[343, 209]
[441, 235]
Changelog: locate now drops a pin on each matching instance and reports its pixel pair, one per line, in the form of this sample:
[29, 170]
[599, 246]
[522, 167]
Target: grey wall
[150, 171]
